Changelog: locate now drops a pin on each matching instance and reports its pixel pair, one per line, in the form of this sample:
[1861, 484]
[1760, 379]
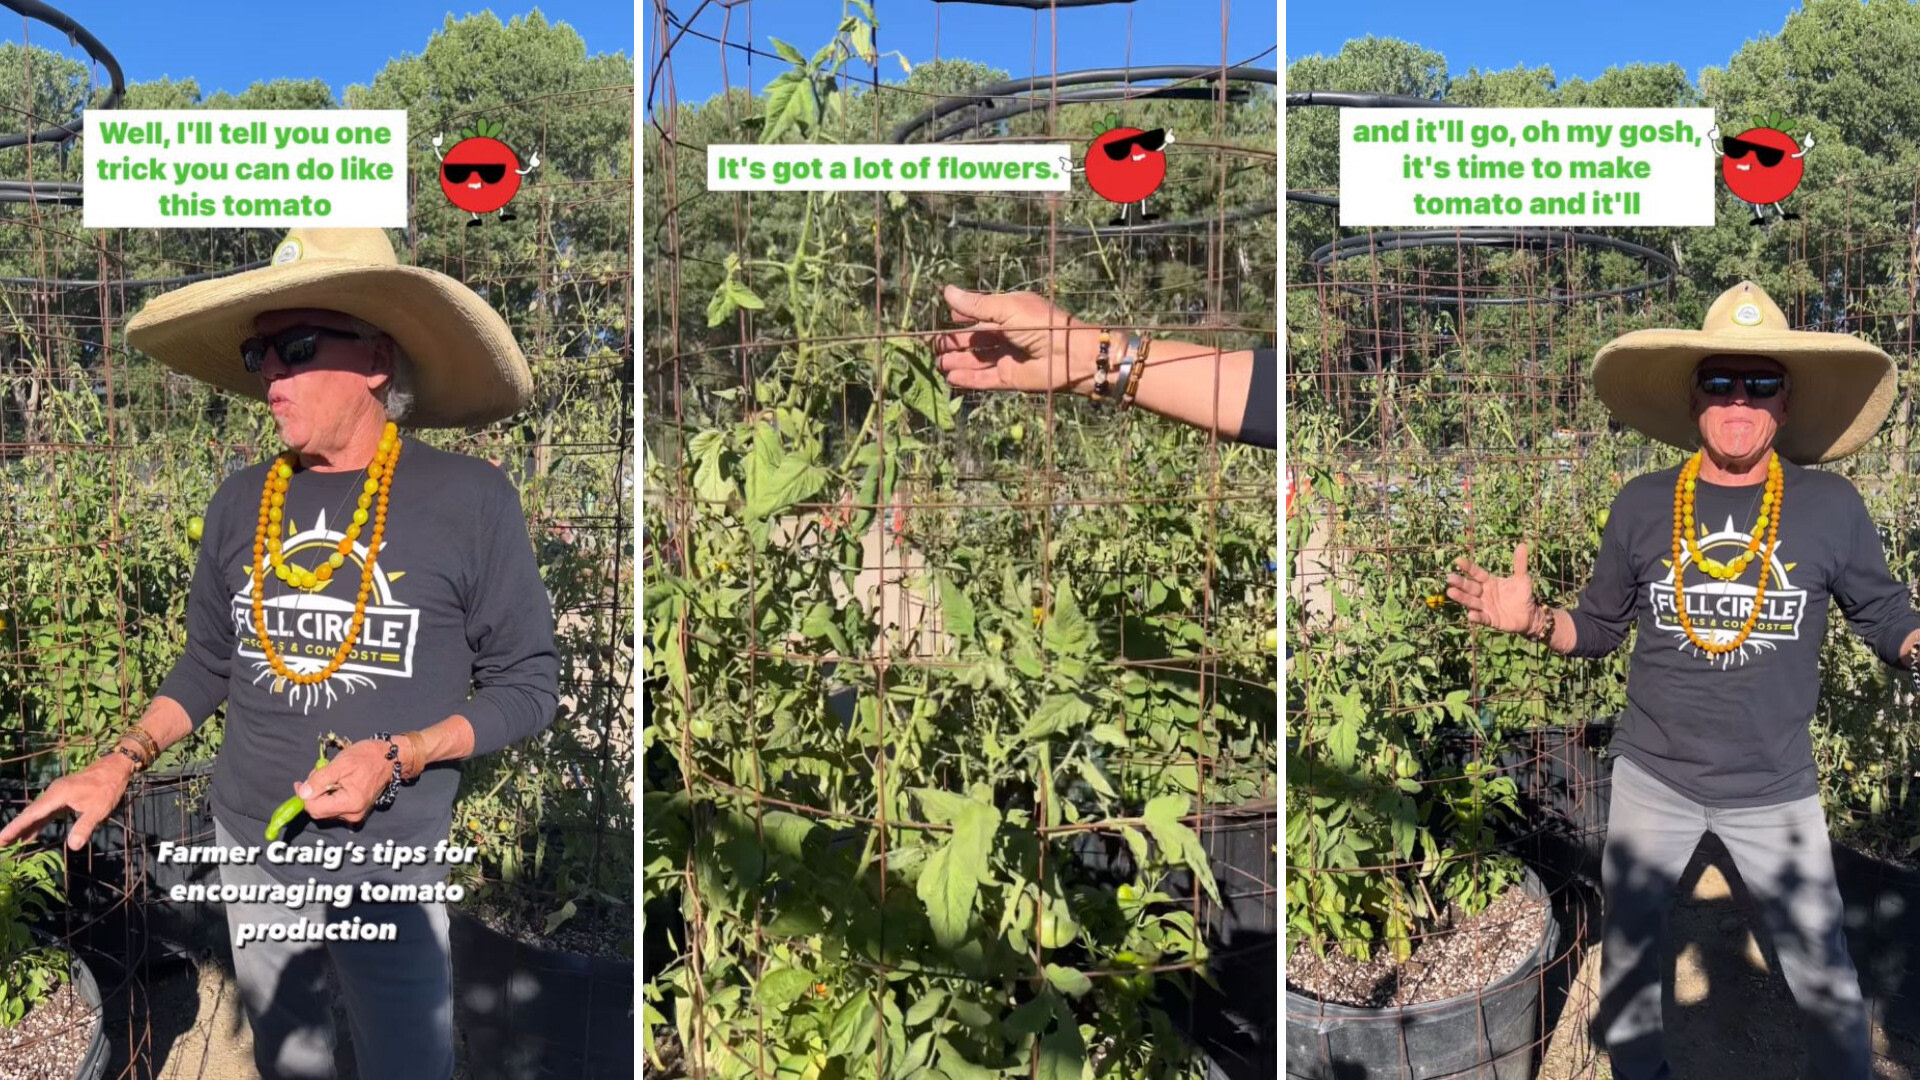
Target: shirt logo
[1719, 609]
[307, 628]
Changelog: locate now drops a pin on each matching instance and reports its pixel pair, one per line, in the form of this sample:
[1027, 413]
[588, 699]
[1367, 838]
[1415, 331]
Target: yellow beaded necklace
[1768, 522]
[266, 551]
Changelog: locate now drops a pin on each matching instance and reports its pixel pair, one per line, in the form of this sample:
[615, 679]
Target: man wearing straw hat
[362, 585]
[1727, 565]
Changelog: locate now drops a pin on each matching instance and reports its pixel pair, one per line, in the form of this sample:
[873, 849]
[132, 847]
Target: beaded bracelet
[1100, 365]
[139, 763]
[393, 786]
[148, 744]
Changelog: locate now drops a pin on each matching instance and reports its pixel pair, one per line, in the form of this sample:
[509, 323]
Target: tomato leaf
[1177, 842]
[1068, 981]
[782, 987]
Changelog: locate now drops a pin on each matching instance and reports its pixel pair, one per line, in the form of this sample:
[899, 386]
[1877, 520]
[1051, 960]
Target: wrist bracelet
[419, 744]
[139, 765]
[1100, 365]
[1139, 373]
[149, 746]
[1128, 358]
[393, 786]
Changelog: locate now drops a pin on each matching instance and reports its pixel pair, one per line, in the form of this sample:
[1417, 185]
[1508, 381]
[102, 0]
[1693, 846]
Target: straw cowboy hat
[468, 370]
[1841, 386]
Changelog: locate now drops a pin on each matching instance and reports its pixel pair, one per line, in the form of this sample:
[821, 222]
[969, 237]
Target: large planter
[530, 1013]
[1233, 1026]
[1564, 782]
[1489, 1034]
[120, 887]
[93, 1060]
[1881, 904]
[177, 806]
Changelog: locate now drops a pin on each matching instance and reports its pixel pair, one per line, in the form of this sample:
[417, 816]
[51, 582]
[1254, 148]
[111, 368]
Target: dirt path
[1728, 1012]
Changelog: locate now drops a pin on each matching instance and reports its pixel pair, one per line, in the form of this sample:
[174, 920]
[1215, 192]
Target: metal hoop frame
[1023, 99]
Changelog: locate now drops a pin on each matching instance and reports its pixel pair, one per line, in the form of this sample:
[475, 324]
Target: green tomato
[1128, 894]
[1018, 432]
[1604, 511]
[194, 528]
[702, 729]
[1272, 640]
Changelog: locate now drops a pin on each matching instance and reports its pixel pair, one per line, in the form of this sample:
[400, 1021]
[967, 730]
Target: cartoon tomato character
[1762, 165]
[479, 175]
[1125, 165]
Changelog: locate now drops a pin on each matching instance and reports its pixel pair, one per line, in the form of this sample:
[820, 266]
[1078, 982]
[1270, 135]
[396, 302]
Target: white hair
[399, 399]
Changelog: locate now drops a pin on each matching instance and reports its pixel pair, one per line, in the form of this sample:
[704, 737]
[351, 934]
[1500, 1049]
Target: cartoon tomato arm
[533, 162]
[1067, 166]
[1807, 147]
[1713, 140]
[436, 149]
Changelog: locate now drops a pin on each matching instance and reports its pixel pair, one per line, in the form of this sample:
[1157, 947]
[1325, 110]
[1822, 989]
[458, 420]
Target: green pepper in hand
[291, 809]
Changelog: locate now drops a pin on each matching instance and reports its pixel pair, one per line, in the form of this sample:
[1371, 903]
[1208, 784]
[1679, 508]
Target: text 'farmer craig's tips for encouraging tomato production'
[1547, 168]
[234, 168]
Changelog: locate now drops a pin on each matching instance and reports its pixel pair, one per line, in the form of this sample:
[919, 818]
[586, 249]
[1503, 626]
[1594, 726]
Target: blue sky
[1585, 39]
[1161, 32]
[229, 45]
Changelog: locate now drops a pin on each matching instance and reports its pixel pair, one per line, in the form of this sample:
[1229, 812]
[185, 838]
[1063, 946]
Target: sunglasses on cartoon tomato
[294, 346]
[459, 174]
[1146, 140]
[1768, 156]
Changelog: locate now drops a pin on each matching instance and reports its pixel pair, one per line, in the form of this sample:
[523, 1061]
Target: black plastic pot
[1490, 1034]
[1233, 1026]
[1564, 782]
[175, 805]
[529, 1013]
[1881, 904]
[93, 1062]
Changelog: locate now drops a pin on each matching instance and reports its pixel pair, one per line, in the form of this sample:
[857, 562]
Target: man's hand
[1018, 341]
[1504, 603]
[349, 784]
[92, 793]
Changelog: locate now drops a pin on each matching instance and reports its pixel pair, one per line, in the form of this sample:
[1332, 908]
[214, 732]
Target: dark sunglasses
[1769, 156]
[489, 174]
[1759, 387]
[1149, 141]
[294, 346]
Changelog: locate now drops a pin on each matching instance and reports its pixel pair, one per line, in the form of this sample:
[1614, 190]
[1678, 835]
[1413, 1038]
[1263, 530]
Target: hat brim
[468, 369]
[1842, 387]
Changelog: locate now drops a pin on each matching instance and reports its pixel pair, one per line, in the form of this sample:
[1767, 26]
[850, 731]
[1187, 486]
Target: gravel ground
[1471, 954]
[50, 1040]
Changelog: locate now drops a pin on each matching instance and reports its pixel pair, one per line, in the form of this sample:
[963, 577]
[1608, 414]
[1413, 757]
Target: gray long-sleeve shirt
[1732, 730]
[458, 622]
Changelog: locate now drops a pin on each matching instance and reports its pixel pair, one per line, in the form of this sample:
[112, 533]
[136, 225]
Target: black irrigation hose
[1374, 243]
[133, 283]
[1041, 84]
[59, 192]
[1026, 97]
[78, 35]
[1347, 99]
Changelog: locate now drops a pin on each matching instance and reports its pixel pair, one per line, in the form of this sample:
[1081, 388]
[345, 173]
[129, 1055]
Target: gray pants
[398, 994]
[1786, 862]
